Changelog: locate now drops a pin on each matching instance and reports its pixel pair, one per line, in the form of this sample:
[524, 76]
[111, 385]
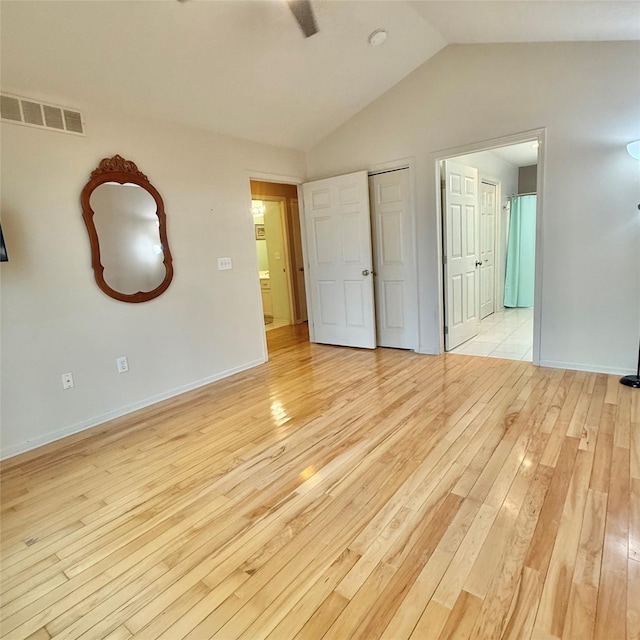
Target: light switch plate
[224, 264]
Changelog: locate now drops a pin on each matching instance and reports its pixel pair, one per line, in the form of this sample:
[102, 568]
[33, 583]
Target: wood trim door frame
[294, 240]
[282, 201]
[394, 165]
[281, 179]
[534, 135]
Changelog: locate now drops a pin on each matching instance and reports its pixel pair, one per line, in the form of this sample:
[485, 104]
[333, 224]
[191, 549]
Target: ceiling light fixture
[257, 208]
[634, 149]
[377, 37]
[3, 249]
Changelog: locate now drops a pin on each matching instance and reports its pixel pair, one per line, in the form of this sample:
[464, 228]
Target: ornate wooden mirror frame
[119, 170]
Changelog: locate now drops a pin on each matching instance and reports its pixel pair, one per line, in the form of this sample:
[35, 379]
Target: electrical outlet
[67, 381]
[123, 364]
[224, 264]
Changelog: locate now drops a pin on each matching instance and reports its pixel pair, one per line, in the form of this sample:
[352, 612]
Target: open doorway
[489, 228]
[279, 250]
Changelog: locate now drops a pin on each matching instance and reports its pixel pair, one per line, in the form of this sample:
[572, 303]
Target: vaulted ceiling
[243, 68]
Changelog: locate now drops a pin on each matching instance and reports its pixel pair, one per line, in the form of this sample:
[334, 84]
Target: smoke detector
[377, 37]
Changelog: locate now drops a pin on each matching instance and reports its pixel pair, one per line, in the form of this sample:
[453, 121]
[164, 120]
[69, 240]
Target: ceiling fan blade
[303, 13]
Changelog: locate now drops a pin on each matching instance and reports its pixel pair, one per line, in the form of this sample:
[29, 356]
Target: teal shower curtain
[521, 250]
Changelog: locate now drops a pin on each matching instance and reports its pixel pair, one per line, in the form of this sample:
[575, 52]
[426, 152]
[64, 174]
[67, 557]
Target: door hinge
[446, 331]
[444, 259]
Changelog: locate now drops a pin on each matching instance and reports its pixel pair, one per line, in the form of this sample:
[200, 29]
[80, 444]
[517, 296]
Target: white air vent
[44, 116]
[10, 108]
[32, 112]
[53, 117]
[73, 121]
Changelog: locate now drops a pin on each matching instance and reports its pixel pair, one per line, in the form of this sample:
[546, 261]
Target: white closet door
[394, 259]
[338, 234]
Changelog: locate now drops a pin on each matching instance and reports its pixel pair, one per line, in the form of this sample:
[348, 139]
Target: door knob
[365, 272]
[478, 263]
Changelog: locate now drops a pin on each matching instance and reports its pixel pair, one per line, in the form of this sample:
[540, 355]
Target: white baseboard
[28, 445]
[591, 368]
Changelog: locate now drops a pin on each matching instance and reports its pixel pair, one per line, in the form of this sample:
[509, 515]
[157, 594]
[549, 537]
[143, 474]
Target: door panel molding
[489, 213]
[339, 263]
[394, 258]
[461, 231]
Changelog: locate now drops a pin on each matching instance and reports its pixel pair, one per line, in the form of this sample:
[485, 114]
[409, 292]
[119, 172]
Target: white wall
[55, 319]
[491, 166]
[586, 95]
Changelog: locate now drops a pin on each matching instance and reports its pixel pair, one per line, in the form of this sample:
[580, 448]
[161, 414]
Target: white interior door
[461, 230]
[488, 200]
[394, 259]
[338, 238]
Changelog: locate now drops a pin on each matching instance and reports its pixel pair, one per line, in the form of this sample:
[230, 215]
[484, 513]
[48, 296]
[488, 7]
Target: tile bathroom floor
[507, 333]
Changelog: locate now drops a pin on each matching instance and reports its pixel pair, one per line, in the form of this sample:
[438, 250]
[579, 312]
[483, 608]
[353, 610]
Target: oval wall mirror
[127, 228]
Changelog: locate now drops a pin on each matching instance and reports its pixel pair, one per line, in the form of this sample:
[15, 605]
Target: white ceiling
[520, 155]
[467, 21]
[242, 68]
[523, 154]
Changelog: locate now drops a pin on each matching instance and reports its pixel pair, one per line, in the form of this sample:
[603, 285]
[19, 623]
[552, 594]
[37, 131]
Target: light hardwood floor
[337, 493]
